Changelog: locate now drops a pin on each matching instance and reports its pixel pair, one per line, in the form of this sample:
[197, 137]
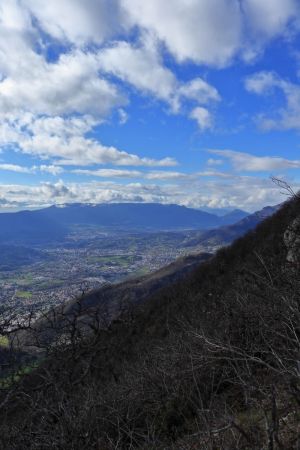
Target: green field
[117, 260]
[50, 284]
[140, 272]
[23, 294]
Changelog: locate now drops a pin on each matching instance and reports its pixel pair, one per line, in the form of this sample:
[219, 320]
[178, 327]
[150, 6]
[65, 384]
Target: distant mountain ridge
[55, 222]
[234, 216]
[227, 234]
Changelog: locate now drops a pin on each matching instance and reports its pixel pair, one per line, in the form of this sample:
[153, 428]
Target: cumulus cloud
[213, 32]
[203, 117]
[202, 31]
[90, 56]
[286, 117]
[65, 141]
[139, 66]
[262, 82]
[270, 17]
[77, 21]
[251, 193]
[200, 91]
[142, 67]
[52, 170]
[71, 85]
[250, 163]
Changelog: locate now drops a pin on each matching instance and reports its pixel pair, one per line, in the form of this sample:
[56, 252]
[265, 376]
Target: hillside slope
[227, 234]
[99, 307]
[209, 362]
[12, 256]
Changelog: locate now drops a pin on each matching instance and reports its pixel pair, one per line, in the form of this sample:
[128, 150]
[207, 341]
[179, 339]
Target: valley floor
[87, 260]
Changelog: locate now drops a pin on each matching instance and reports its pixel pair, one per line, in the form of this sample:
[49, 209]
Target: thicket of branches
[211, 363]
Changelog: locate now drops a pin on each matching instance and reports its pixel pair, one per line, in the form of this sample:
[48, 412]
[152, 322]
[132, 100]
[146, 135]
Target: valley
[81, 263]
[55, 254]
[36, 275]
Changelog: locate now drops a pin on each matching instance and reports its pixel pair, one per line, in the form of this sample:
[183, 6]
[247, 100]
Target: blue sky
[195, 102]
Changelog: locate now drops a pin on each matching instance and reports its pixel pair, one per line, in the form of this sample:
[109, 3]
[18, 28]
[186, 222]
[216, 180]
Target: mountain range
[55, 222]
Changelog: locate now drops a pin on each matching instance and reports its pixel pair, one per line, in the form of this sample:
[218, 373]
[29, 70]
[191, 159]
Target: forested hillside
[209, 362]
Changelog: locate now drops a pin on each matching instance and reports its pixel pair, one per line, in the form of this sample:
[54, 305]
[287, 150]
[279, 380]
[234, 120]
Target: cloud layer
[250, 193]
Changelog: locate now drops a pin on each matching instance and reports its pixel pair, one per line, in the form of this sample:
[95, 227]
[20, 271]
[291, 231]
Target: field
[24, 294]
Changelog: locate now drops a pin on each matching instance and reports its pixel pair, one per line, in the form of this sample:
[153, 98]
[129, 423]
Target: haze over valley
[82, 247]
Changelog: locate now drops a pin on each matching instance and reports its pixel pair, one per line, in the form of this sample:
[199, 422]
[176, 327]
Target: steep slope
[207, 362]
[227, 234]
[13, 256]
[101, 306]
[113, 299]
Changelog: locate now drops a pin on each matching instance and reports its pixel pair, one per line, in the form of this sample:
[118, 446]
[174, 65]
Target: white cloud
[214, 174]
[213, 32]
[215, 162]
[203, 117]
[143, 68]
[250, 163]
[288, 116]
[77, 21]
[109, 173]
[71, 85]
[154, 175]
[37, 95]
[139, 66]
[270, 17]
[29, 82]
[200, 91]
[16, 168]
[251, 193]
[123, 116]
[167, 175]
[52, 170]
[205, 31]
[262, 82]
[64, 141]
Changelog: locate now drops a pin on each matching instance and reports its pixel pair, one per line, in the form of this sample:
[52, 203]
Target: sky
[194, 102]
